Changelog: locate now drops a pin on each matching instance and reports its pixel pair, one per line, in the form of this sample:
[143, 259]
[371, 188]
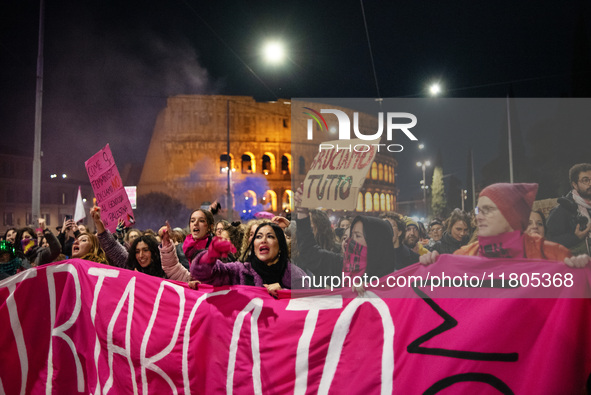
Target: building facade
[58, 194]
[188, 155]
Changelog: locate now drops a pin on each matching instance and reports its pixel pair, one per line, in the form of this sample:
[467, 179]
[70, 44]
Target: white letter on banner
[126, 352]
[59, 331]
[344, 123]
[255, 305]
[313, 305]
[150, 363]
[187, 337]
[101, 274]
[338, 338]
[15, 323]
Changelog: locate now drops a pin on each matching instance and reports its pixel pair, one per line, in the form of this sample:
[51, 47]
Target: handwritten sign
[108, 189]
[337, 173]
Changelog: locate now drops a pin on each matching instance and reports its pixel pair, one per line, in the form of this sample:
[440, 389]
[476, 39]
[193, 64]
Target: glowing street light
[424, 165]
[274, 52]
[435, 89]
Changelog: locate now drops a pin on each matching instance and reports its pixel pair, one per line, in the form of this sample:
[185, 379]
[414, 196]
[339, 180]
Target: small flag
[79, 213]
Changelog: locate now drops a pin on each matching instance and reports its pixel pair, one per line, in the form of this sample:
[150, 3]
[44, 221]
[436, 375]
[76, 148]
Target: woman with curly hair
[87, 247]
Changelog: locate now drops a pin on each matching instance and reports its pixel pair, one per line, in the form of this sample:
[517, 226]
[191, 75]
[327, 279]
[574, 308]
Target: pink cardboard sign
[108, 189]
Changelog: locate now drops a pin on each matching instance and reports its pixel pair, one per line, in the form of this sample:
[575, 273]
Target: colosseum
[196, 136]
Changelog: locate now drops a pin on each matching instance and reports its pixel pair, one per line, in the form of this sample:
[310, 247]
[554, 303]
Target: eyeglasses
[585, 181]
[485, 210]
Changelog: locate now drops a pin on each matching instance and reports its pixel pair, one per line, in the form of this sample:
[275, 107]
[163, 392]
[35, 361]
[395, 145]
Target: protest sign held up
[337, 174]
[108, 189]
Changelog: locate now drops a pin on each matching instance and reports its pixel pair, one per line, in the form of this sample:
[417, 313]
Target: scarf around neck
[584, 205]
[504, 245]
[270, 274]
[355, 259]
[191, 246]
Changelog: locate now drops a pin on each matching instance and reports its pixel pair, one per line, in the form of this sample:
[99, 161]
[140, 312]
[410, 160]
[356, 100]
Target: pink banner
[78, 326]
[108, 189]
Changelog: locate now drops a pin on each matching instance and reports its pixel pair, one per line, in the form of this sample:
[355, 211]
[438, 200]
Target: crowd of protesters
[275, 253]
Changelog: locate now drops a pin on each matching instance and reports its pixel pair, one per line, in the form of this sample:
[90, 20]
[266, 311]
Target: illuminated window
[388, 206]
[250, 198]
[287, 199]
[368, 203]
[381, 172]
[359, 201]
[224, 162]
[246, 164]
[286, 164]
[376, 202]
[374, 171]
[270, 200]
[383, 202]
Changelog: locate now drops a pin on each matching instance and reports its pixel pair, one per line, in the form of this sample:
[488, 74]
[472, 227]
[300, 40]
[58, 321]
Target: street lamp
[274, 52]
[423, 165]
[464, 197]
[435, 89]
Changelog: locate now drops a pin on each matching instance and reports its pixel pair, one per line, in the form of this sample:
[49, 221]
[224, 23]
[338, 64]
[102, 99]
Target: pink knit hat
[514, 201]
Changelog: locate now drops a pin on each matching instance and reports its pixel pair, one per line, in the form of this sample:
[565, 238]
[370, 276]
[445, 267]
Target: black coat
[449, 245]
[562, 223]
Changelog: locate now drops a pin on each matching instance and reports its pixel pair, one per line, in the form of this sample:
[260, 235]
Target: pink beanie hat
[514, 201]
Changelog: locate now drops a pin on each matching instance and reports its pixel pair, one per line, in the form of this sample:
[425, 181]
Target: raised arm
[116, 253]
[170, 261]
[207, 268]
[48, 255]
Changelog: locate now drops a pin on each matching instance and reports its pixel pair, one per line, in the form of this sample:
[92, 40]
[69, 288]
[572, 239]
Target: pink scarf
[355, 260]
[505, 245]
[191, 246]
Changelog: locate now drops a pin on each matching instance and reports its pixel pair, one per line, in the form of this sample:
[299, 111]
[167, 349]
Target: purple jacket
[239, 273]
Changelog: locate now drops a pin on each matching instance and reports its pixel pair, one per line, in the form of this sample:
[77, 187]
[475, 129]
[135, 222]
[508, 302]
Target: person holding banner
[502, 215]
[142, 256]
[267, 263]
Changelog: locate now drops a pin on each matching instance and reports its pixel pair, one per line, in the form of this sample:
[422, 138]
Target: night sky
[110, 65]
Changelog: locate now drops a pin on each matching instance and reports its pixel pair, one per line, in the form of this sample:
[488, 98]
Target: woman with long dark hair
[142, 255]
[267, 264]
[367, 250]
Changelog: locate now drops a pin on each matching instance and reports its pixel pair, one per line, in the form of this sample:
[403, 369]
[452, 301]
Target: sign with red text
[108, 189]
[337, 174]
[98, 329]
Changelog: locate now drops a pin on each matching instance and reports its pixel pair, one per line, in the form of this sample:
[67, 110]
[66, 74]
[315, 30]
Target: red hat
[514, 201]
